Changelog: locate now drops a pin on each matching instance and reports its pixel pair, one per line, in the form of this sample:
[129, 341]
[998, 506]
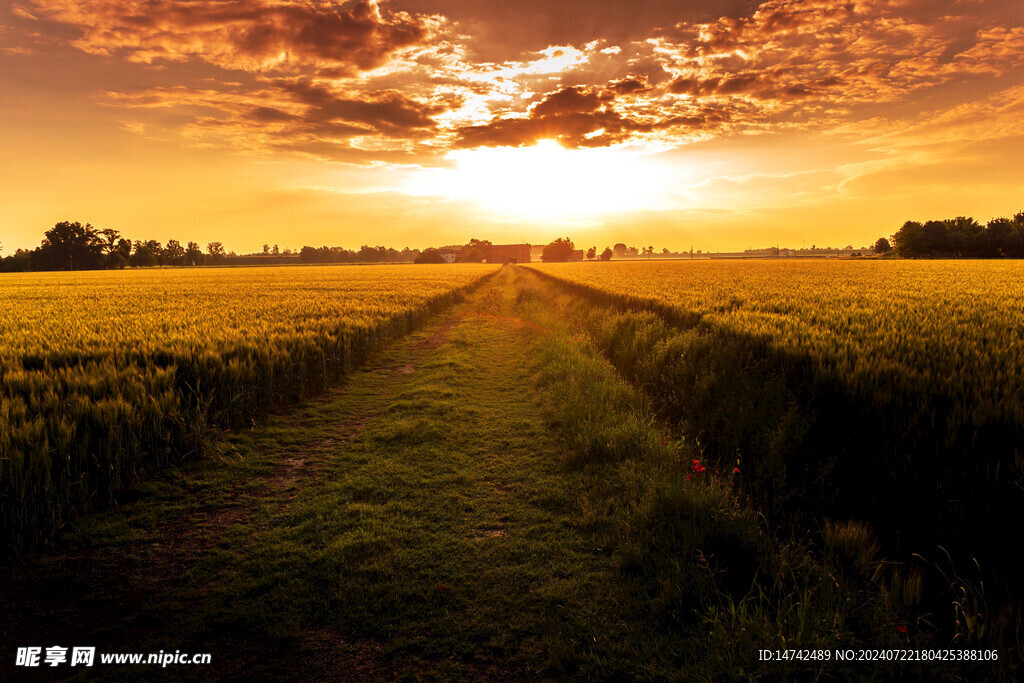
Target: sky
[711, 124]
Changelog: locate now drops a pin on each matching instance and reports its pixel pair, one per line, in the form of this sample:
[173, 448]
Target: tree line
[366, 254]
[76, 246]
[959, 237]
[563, 248]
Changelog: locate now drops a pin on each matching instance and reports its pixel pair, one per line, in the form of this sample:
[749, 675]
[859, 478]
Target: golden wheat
[884, 391]
[106, 375]
[956, 326]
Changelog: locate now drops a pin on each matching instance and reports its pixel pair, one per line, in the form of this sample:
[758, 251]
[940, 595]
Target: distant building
[450, 254]
[577, 255]
[507, 253]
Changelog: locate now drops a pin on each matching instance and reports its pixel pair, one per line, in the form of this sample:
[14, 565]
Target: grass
[884, 392]
[695, 552]
[815, 449]
[432, 529]
[487, 498]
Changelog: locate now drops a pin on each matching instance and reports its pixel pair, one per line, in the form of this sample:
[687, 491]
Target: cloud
[389, 113]
[295, 116]
[411, 78]
[252, 35]
[582, 117]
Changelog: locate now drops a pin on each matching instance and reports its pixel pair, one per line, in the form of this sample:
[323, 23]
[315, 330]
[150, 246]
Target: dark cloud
[255, 35]
[629, 86]
[769, 85]
[504, 29]
[432, 74]
[299, 116]
[569, 101]
[576, 117]
[270, 114]
[390, 113]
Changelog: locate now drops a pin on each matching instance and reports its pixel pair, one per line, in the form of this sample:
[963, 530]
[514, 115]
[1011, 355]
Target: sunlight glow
[547, 181]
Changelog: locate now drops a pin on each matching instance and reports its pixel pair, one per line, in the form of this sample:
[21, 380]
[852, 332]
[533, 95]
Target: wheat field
[882, 390]
[105, 376]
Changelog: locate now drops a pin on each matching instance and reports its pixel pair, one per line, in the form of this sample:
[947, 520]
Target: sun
[547, 181]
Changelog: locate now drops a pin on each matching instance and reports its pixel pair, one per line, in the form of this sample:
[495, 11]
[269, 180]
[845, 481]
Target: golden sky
[717, 124]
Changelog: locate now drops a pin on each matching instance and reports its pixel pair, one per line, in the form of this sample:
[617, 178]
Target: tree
[18, 262]
[1015, 246]
[368, 254]
[909, 239]
[632, 251]
[606, 255]
[110, 238]
[266, 250]
[619, 250]
[428, 256]
[935, 235]
[216, 251]
[71, 246]
[308, 254]
[966, 237]
[275, 251]
[121, 255]
[475, 251]
[158, 251]
[1000, 234]
[591, 253]
[882, 246]
[143, 256]
[559, 250]
[116, 249]
[174, 253]
[193, 254]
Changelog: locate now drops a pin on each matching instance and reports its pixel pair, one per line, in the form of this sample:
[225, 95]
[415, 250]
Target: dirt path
[414, 521]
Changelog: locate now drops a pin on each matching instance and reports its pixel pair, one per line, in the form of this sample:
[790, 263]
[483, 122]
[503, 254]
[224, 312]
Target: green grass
[486, 499]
